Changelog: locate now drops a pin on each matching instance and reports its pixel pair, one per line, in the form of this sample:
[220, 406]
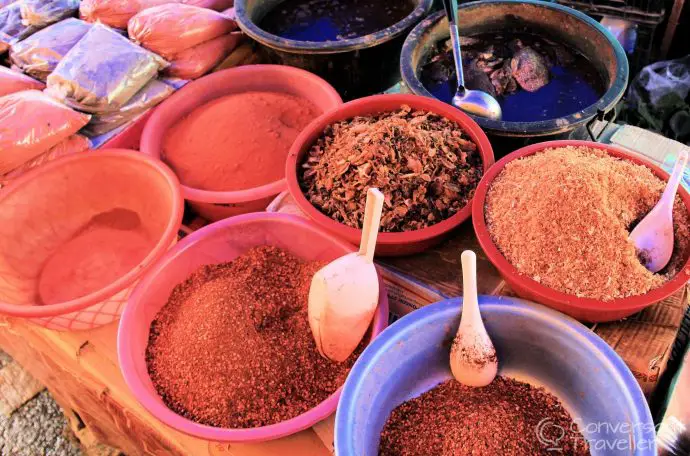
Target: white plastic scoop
[344, 293]
[472, 357]
[653, 236]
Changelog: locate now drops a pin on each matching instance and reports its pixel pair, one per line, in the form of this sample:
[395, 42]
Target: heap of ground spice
[425, 165]
[563, 217]
[507, 417]
[237, 142]
[233, 348]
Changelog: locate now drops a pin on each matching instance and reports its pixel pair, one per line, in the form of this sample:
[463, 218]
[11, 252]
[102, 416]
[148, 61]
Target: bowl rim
[576, 331]
[368, 104]
[126, 352]
[167, 238]
[277, 72]
[628, 304]
[252, 29]
[533, 128]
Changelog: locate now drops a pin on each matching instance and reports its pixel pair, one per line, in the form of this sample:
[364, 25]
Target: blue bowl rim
[573, 329]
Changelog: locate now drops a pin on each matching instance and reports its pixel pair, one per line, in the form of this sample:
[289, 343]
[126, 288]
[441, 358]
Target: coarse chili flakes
[425, 165]
[232, 346]
[507, 417]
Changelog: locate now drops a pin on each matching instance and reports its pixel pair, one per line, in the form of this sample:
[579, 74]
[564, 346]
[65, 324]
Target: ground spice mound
[425, 165]
[238, 141]
[233, 348]
[502, 418]
[563, 218]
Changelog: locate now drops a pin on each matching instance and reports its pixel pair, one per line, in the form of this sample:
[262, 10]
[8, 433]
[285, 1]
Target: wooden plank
[17, 386]
[671, 26]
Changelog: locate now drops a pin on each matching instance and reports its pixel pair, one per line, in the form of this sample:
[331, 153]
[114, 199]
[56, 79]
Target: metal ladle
[474, 102]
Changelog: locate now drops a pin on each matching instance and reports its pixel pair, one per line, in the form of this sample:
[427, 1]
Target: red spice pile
[563, 218]
[502, 418]
[424, 164]
[237, 142]
[233, 348]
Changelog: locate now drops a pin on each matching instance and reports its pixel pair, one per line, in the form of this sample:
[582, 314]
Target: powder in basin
[104, 250]
[237, 142]
[563, 217]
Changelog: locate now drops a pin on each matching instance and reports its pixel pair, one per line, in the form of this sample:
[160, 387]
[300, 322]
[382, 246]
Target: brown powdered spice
[506, 417]
[563, 217]
[424, 164]
[233, 348]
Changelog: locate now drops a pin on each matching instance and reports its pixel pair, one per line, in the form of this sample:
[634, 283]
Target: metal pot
[567, 25]
[355, 67]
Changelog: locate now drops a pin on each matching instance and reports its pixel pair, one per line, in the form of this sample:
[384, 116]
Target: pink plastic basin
[218, 243]
[48, 209]
[215, 205]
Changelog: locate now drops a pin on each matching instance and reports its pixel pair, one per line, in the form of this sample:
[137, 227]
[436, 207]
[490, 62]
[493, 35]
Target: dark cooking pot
[355, 67]
[557, 21]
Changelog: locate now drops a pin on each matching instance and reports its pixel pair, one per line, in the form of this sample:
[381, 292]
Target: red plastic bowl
[387, 244]
[217, 243]
[584, 309]
[213, 205]
[44, 208]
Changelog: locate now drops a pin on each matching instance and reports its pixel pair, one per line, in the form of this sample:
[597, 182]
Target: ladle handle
[370, 227]
[451, 7]
[674, 180]
[470, 302]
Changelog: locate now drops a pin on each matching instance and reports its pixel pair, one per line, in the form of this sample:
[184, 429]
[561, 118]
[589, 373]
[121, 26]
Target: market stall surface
[37, 427]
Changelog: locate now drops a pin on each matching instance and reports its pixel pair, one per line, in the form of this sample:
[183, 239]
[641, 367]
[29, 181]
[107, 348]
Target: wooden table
[81, 370]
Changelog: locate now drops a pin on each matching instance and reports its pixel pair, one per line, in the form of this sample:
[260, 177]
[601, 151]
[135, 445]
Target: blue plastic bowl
[534, 344]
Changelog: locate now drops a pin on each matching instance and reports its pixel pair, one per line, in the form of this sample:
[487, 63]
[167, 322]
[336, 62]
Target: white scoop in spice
[473, 359]
[653, 236]
[344, 293]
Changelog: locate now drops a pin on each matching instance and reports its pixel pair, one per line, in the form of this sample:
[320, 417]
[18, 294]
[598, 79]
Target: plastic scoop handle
[669, 194]
[372, 221]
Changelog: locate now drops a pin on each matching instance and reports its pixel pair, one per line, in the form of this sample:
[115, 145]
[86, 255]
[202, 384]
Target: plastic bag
[199, 60]
[72, 145]
[171, 29]
[116, 13]
[40, 54]
[30, 124]
[103, 71]
[41, 13]
[659, 99]
[11, 82]
[4, 3]
[11, 27]
[151, 95]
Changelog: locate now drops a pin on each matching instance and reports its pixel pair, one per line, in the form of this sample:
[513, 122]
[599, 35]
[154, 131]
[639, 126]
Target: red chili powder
[232, 346]
[237, 142]
[106, 248]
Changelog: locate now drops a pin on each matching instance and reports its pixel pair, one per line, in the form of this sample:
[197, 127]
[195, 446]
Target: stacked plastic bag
[12, 29]
[116, 13]
[193, 39]
[102, 72]
[22, 18]
[33, 124]
[11, 82]
[151, 95]
[40, 54]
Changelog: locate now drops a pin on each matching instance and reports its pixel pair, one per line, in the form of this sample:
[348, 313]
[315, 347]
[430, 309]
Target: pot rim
[249, 27]
[605, 104]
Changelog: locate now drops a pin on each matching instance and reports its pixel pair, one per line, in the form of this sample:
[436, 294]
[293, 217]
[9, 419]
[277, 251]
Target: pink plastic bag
[11, 82]
[30, 124]
[72, 145]
[199, 60]
[173, 28]
[116, 13]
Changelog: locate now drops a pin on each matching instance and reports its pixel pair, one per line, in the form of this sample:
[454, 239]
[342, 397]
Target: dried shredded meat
[563, 218]
[425, 165]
